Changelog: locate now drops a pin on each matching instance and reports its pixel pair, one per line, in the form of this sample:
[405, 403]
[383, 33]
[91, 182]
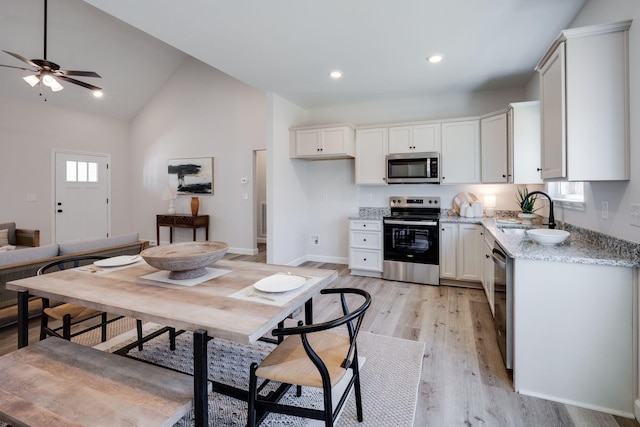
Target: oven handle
[395, 222]
[501, 262]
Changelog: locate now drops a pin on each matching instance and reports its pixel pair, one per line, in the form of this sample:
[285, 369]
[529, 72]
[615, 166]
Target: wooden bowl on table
[186, 260]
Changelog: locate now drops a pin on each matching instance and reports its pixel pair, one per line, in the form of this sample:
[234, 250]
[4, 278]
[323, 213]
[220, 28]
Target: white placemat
[163, 276]
[94, 269]
[273, 298]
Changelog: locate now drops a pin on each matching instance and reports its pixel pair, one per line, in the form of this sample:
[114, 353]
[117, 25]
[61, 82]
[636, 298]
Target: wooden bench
[59, 383]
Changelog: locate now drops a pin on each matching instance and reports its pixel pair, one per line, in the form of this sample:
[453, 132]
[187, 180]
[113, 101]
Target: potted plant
[527, 209]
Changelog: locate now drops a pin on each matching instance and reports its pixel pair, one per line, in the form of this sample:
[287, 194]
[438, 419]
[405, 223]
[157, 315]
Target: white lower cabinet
[461, 251]
[487, 276]
[365, 247]
[574, 333]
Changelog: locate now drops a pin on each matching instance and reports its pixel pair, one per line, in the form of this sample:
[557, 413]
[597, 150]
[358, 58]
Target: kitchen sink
[513, 230]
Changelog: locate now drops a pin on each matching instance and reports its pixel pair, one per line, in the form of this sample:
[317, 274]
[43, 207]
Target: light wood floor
[464, 382]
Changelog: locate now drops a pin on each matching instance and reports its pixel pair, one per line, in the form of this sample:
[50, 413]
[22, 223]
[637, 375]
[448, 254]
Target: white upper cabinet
[584, 94]
[422, 138]
[460, 152]
[524, 142]
[493, 138]
[371, 153]
[323, 143]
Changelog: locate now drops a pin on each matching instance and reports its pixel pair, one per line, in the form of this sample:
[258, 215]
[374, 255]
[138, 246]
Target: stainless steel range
[411, 242]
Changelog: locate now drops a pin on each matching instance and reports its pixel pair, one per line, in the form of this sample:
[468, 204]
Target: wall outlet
[604, 210]
[315, 240]
[635, 215]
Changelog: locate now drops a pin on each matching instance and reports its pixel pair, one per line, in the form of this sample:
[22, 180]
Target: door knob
[59, 210]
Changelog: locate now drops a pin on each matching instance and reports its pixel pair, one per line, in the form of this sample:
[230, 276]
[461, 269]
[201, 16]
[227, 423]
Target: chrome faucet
[552, 222]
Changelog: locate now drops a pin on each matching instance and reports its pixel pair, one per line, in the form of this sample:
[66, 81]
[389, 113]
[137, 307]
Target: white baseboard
[243, 251]
[327, 259]
[606, 410]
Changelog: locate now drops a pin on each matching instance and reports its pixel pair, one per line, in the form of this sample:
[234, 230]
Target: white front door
[81, 196]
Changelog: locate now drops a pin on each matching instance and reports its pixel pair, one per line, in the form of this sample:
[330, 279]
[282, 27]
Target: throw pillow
[4, 237]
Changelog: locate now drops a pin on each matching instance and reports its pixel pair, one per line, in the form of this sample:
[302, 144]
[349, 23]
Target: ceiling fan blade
[19, 68]
[78, 73]
[22, 58]
[78, 82]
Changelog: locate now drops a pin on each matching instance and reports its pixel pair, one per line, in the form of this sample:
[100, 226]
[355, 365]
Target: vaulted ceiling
[282, 46]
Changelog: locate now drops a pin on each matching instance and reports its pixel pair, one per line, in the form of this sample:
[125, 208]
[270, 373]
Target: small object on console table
[181, 221]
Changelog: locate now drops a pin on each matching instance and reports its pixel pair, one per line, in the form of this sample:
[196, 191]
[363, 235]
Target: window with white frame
[82, 171]
[567, 194]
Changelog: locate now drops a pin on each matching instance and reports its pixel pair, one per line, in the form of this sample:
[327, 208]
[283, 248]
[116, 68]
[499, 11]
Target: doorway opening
[260, 202]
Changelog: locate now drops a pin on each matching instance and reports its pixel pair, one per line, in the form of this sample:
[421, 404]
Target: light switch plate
[635, 214]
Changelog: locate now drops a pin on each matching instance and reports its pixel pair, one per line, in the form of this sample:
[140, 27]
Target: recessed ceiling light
[434, 59]
[97, 93]
[336, 74]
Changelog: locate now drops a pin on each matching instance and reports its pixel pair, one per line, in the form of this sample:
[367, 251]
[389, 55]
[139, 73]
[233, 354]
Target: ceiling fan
[48, 72]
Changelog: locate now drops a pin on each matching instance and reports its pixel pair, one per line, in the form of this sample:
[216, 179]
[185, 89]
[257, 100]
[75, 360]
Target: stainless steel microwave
[413, 168]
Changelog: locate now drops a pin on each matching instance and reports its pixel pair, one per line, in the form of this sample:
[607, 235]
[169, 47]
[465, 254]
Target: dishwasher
[503, 300]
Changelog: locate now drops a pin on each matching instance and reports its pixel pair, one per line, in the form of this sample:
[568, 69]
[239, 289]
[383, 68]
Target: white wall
[29, 131]
[287, 182]
[200, 112]
[619, 194]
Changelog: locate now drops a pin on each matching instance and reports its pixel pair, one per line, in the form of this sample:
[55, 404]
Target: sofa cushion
[11, 226]
[28, 254]
[89, 245]
[4, 237]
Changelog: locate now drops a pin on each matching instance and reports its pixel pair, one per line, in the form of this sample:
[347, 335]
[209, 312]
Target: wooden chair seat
[77, 312]
[289, 363]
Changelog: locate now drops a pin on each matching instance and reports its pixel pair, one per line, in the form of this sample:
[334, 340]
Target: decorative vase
[527, 218]
[195, 205]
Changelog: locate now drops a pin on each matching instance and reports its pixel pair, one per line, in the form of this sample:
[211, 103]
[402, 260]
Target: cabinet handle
[504, 176]
[364, 225]
[364, 240]
[538, 169]
[486, 256]
[364, 259]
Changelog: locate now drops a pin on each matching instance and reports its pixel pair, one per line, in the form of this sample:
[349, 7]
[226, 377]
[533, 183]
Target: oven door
[411, 241]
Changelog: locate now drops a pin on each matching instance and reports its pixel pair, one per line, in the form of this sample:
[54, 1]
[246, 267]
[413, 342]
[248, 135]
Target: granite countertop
[583, 246]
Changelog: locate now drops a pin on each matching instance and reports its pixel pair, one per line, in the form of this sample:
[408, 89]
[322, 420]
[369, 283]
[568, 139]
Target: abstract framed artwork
[192, 175]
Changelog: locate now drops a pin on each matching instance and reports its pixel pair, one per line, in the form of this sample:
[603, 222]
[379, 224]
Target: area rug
[390, 379]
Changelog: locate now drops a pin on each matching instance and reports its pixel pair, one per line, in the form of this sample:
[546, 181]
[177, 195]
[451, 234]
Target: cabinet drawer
[370, 225]
[366, 239]
[364, 259]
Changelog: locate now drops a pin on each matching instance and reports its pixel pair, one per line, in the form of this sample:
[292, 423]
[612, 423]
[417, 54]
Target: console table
[182, 221]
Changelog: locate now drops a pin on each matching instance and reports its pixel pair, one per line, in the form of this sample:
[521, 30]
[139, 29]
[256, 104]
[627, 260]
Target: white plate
[279, 283]
[117, 261]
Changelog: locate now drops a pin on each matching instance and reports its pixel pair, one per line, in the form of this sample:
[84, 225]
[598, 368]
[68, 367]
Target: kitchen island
[574, 319]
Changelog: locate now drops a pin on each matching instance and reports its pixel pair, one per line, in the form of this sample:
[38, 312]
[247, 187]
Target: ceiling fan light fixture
[50, 81]
[31, 80]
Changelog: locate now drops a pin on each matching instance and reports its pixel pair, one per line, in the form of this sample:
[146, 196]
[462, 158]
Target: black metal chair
[314, 356]
[72, 314]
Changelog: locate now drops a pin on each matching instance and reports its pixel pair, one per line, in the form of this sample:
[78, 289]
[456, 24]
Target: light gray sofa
[21, 237]
[22, 263]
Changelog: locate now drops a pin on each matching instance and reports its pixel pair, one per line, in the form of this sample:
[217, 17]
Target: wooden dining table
[211, 309]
